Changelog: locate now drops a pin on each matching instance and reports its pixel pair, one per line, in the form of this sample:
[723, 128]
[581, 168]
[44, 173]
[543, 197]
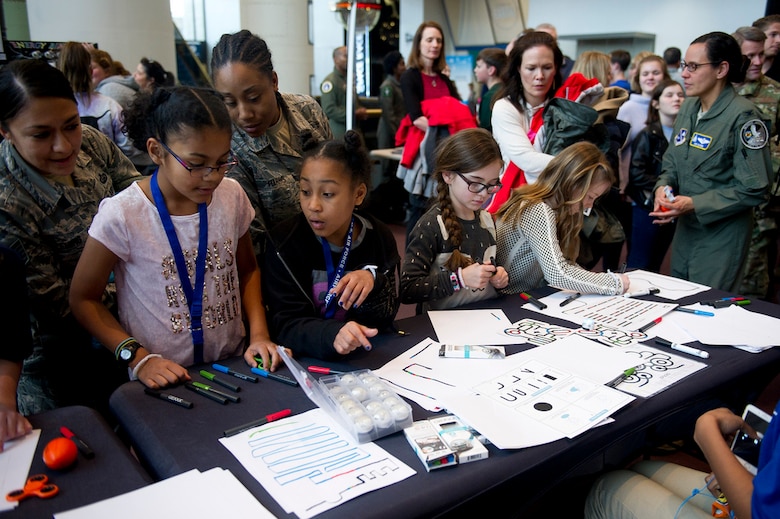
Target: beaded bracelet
[129, 340]
[454, 281]
[460, 278]
[141, 362]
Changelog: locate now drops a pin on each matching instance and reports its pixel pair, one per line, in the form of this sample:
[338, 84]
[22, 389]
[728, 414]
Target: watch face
[126, 354]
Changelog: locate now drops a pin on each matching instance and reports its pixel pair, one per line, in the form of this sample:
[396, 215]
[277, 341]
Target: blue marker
[697, 312]
[274, 376]
[228, 371]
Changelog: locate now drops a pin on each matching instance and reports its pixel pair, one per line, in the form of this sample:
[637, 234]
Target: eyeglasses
[693, 66]
[202, 171]
[478, 187]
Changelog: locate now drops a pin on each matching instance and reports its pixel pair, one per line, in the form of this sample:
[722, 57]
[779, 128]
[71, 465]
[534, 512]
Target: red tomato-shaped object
[60, 453]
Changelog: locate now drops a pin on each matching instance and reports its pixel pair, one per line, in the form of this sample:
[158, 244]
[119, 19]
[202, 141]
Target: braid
[242, 47]
[466, 150]
[451, 225]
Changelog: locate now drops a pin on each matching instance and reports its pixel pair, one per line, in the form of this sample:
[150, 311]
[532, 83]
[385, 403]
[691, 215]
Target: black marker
[224, 383]
[570, 299]
[649, 325]
[168, 397]
[208, 394]
[232, 398]
[262, 421]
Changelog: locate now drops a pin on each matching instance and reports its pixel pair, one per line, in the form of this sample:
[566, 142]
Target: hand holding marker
[669, 194]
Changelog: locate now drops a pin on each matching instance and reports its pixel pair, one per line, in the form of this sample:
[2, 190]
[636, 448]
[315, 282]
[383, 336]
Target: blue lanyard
[334, 275]
[194, 297]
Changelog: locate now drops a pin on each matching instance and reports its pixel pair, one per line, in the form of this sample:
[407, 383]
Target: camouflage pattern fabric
[268, 166]
[46, 223]
[765, 94]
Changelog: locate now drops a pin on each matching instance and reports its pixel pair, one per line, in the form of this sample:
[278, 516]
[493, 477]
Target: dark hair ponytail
[723, 47]
[24, 80]
[168, 111]
[349, 151]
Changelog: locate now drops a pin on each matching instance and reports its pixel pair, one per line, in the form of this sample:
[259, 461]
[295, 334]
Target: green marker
[210, 389]
[217, 380]
[620, 378]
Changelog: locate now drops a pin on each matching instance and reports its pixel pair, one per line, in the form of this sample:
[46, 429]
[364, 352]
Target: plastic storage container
[359, 401]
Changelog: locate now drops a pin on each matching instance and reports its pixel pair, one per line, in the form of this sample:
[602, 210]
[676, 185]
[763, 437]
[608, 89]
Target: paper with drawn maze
[656, 368]
[309, 464]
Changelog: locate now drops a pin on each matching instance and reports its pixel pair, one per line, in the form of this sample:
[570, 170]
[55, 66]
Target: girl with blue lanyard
[330, 271]
[178, 243]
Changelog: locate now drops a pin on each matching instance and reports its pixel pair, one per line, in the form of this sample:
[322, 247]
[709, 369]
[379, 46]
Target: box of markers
[444, 441]
[428, 445]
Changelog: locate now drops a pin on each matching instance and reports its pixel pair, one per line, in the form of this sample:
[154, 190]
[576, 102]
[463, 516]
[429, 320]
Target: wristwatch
[127, 352]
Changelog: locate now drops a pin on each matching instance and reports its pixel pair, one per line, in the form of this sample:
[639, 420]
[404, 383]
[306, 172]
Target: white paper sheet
[471, 327]
[211, 494]
[15, 461]
[657, 369]
[421, 375]
[732, 325]
[625, 313]
[309, 464]
[670, 288]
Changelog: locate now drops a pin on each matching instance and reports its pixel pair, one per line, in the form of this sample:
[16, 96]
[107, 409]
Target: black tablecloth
[171, 440]
[111, 472]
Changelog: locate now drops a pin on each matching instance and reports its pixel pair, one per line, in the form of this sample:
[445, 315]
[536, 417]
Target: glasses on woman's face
[202, 171]
[478, 187]
[691, 66]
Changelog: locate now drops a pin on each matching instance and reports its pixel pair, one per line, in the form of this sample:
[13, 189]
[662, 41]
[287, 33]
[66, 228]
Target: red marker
[531, 299]
[324, 371]
[262, 421]
[649, 325]
[81, 444]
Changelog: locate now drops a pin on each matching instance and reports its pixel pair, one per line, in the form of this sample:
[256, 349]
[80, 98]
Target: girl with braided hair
[450, 259]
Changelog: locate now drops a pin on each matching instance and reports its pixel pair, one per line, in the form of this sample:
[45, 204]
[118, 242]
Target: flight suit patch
[700, 141]
[754, 134]
[681, 136]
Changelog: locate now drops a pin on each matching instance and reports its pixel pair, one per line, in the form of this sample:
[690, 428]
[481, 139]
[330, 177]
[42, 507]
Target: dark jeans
[417, 206]
[649, 241]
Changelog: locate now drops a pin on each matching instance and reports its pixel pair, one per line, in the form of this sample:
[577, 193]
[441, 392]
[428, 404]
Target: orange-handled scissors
[37, 485]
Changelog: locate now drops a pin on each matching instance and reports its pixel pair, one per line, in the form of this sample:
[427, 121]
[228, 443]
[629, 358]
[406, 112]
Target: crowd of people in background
[111, 179]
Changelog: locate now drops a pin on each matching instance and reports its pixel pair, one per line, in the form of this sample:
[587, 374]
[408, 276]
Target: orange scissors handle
[37, 485]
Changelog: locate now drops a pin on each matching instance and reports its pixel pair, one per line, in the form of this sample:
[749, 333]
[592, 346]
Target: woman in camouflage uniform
[53, 175]
[270, 129]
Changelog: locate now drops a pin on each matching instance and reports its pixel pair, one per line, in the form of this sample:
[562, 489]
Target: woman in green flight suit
[718, 166]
